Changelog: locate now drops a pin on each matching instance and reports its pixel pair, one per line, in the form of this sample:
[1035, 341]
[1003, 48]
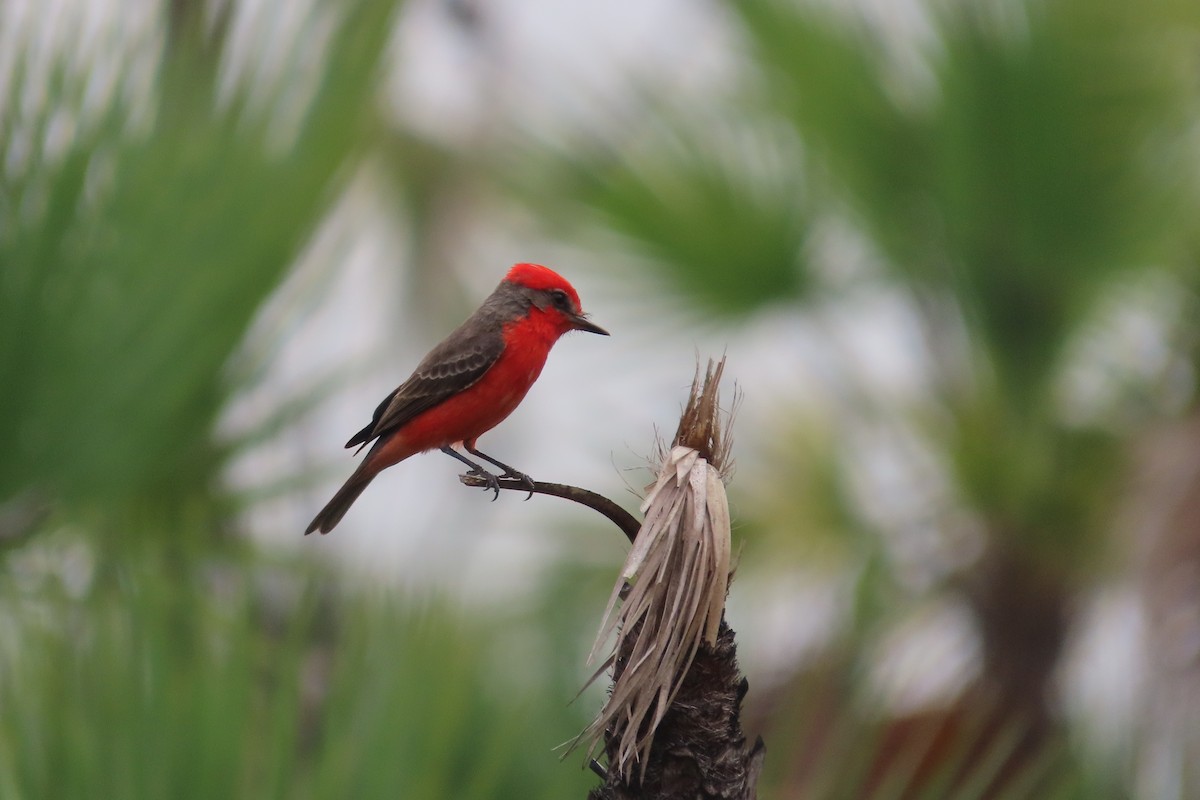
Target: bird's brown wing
[452, 366]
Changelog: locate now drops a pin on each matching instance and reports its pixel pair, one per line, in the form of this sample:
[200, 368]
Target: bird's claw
[487, 480]
[490, 481]
[525, 481]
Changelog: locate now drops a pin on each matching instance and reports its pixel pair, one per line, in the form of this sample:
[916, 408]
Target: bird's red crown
[535, 276]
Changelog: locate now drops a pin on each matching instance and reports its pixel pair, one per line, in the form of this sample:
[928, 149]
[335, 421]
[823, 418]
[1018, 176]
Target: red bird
[469, 383]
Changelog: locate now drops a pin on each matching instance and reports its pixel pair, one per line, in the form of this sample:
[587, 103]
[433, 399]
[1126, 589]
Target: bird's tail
[336, 508]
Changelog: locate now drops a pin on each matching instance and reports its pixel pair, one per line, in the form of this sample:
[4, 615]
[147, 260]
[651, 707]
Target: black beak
[581, 323]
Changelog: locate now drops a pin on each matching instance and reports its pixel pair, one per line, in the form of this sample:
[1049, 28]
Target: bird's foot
[522, 478]
[490, 481]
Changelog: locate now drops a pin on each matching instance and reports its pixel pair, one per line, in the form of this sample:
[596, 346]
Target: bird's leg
[509, 472]
[493, 482]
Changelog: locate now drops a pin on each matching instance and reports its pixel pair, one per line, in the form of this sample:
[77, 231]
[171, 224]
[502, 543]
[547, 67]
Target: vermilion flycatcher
[469, 383]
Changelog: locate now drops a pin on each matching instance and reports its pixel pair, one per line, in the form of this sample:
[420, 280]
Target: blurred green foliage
[1022, 162]
[145, 652]
[135, 260]
[1013, 170]
[149, 676]
[1007, 174]
[725, 221]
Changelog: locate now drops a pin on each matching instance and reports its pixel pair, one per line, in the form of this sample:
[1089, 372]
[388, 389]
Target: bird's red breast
[465, 416]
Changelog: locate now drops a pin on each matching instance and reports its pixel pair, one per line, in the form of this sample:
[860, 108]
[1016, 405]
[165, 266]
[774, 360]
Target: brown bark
[699, 750]
[1022, 607]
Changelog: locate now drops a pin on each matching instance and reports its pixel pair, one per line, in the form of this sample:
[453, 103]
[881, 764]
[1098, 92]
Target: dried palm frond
[673, 584]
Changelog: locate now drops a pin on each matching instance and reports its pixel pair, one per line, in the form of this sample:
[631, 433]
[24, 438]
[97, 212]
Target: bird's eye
[560, 299]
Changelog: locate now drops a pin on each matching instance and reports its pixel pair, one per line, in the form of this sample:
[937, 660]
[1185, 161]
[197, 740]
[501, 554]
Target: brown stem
[597, 502]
